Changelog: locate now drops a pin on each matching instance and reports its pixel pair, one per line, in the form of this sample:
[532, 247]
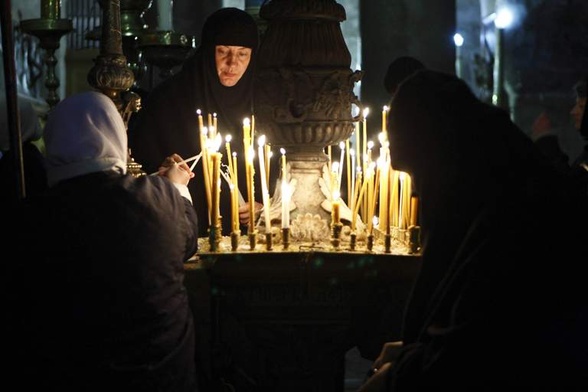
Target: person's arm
[178, 172]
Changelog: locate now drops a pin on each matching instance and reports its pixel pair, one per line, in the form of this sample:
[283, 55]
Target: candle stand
[49, 33]
[166, 50]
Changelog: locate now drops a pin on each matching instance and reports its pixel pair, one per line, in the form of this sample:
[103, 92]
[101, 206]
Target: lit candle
[341, 163]
[249, 171]
[366, 111]
[335, 210]
[229, 155]
[286, 196]
[215, 159]
[395, 203]
[374, 198]
[235, 184]
[384, 197]
[354, 200]
[250, 190]
[50, 9]
[384, 113]
[211, 130]
[367, 180]
[414, 206]
[357, 142]
[349, 168]
[283, 160]
[264, 187]
[407, 190]
[164, 15]
[200, 120]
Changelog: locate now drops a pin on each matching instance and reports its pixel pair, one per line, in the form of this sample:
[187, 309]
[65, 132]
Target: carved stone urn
[303, 100]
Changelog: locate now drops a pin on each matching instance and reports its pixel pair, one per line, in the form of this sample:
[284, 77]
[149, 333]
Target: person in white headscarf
[104, 306]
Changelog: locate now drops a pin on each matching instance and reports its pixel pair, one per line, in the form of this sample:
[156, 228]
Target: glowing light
[458, 39]
[504, 18]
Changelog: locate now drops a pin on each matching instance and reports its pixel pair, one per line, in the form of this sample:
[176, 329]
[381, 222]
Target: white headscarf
[84, 134]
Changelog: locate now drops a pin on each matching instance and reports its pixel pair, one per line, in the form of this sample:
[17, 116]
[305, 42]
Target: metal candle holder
[49, 32]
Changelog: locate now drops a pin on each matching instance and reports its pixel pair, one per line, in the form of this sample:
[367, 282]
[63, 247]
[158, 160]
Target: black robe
[500, 300]
[167, 122]
[99, 287]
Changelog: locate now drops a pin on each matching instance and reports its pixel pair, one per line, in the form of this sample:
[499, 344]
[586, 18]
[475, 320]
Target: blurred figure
[217, 78]
[500, 299]
[35, 175]
[101, 301]
[548, 142]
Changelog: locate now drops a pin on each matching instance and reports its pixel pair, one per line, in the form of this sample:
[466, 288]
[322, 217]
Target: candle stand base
[214, 237]
[252, 240]
[370, 242]
[336, 234]
[387, 243]
[285, 237]
[414, 239]
[268, 240]
[352, 240]
[235, 240]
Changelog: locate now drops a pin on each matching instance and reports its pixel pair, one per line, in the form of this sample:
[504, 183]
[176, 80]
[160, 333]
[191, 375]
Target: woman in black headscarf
[500, 299]
[218, 78]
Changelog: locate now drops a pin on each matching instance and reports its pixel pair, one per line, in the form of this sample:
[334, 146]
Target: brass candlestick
[252, 239]
[214, 236]
[49, 32]
[352, 240]
[285, 237]
[387, 243]
[336, 234]
[235, 239]
[268, 240]
[370, 242]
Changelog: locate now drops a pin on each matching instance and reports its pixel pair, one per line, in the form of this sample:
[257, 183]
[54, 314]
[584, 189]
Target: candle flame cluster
[210, 142]
[374, 188]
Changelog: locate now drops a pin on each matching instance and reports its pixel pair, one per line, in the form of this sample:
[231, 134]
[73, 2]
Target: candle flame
[261, 140]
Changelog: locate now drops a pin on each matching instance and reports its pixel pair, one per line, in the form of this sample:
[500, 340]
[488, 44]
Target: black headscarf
[231, 27]
[167, 122]
[399, 69]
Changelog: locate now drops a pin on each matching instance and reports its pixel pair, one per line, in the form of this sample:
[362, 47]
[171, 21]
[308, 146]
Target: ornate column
[111, 74]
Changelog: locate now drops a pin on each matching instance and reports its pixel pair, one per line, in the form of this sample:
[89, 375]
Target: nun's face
[231, 63]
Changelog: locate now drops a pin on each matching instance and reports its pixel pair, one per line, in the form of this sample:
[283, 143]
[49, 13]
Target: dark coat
[501, 299]
[101, 298]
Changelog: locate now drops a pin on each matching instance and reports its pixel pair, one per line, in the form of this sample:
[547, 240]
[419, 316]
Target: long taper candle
[286, 195]
[264, 187]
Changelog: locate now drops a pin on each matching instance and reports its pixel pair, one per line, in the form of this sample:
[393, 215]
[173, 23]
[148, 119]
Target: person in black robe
[99, 279]
[167, 122]
[500, 300]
